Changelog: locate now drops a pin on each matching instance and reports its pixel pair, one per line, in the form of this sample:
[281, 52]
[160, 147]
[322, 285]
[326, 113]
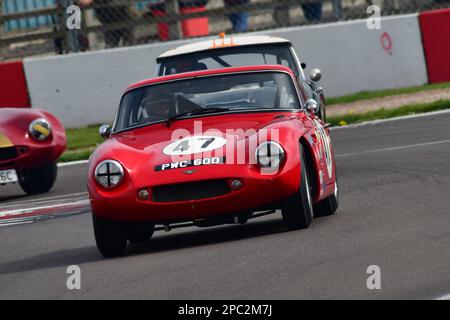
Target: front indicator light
[144, 195]
[236, 185]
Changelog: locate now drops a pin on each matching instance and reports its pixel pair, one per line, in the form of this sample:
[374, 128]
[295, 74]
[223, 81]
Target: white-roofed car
[226, 52]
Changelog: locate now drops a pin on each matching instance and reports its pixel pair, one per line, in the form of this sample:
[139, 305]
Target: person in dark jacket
[312, 10]
[238, 18]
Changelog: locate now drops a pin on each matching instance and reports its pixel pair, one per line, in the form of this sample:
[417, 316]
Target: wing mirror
[315, 75]
[104, 131]
[311, 105]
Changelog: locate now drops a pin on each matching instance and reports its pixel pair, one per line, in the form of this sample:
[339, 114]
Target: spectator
[238, 19]
[191, 27]
[312, 10]
[110, 12]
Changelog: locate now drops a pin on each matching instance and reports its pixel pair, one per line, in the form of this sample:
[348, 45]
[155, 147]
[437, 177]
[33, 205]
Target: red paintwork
[210, 73]
[435, 28]
[13, 85]
[14, 124]
[140, 150]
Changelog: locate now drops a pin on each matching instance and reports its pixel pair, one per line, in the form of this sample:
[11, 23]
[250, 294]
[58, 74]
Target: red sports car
[30, 143]
[209, 148]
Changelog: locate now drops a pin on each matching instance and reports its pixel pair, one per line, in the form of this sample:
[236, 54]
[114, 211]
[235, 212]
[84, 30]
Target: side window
[210, 63]
[271, 59]
[244, 59]
[303, 93]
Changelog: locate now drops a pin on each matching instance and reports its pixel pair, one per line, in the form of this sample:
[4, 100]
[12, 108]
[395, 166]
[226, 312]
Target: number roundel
[326, 145]
[192, 145]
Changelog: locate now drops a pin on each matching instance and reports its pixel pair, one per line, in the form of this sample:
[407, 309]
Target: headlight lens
[40, 129]
[270, 155]
[109, 174]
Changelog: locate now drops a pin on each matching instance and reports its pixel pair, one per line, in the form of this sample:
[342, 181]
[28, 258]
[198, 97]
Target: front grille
[9, 153]
[191, 191]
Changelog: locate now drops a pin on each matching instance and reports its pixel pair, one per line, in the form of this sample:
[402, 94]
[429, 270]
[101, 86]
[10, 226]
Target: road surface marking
[444, 298]
[72, 163]
[381, 121]
[393, 148]
[30, 210]
[48, 199]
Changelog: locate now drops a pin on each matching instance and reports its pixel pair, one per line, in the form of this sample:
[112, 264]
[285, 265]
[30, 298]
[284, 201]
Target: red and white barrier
[13, 85]
[435, 29]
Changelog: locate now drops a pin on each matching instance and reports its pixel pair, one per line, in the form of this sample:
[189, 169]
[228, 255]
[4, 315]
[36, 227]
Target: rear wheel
[298, 209]
[110, 237]
[140, 232]
[40, 179]
[328, 206]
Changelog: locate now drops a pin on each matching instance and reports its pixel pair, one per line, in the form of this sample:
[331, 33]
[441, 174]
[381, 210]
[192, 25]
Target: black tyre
[40, 179]
[140, 232]
[328, 206]
[110, 237]
[298, 209]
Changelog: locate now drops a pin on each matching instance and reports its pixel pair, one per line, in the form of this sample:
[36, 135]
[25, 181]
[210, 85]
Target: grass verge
[367, 95]
[388, 113]
[80, 143]
[83, 141]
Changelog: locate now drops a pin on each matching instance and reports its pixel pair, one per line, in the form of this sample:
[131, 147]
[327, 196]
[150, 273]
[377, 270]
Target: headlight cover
[40, 129]
[109, 174]
[270, 155]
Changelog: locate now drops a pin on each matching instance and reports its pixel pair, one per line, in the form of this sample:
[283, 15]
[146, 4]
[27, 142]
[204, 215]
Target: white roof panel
[218, 43]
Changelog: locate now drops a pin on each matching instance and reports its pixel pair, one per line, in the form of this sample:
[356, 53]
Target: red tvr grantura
[30, 143]
[210, 148]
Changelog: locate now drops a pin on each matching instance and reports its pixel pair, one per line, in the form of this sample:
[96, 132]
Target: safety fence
[40, 27]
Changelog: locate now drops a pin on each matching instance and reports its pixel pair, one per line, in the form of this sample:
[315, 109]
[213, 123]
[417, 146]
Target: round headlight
[109, 174]
[270, 155]
[40, 129]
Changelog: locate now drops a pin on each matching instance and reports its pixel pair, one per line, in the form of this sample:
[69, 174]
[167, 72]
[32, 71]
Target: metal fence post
[59, 25]
[172, 11]
[337, 9]
[281, 14]
[1, 13]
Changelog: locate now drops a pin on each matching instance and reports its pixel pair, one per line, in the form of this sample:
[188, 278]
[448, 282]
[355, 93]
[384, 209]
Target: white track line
[72, 195]
[393, 148]
[72, 163]
[41, 203]
[444, 298]
[374, 122]
[29, 210]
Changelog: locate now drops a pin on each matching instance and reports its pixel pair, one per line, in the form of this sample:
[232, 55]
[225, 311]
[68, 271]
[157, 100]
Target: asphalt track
[394, 178]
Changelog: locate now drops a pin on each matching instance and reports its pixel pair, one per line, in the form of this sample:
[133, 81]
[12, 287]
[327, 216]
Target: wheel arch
[312, 166]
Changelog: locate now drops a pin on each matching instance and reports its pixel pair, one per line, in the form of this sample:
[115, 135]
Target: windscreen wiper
[195, 112]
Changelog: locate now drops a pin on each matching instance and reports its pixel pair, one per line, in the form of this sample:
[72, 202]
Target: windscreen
[233, 92]
[229, 57]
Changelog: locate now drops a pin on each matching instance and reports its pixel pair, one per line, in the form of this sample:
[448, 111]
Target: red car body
[20, 151]
[140, 151]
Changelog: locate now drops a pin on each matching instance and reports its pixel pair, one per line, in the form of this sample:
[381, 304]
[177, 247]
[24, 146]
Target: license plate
[8, 176]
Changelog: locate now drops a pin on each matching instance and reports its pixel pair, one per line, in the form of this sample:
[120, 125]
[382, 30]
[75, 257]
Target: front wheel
[40, 179]
[140, 232]
[298, 209]
[110, 237]
[328, 206]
